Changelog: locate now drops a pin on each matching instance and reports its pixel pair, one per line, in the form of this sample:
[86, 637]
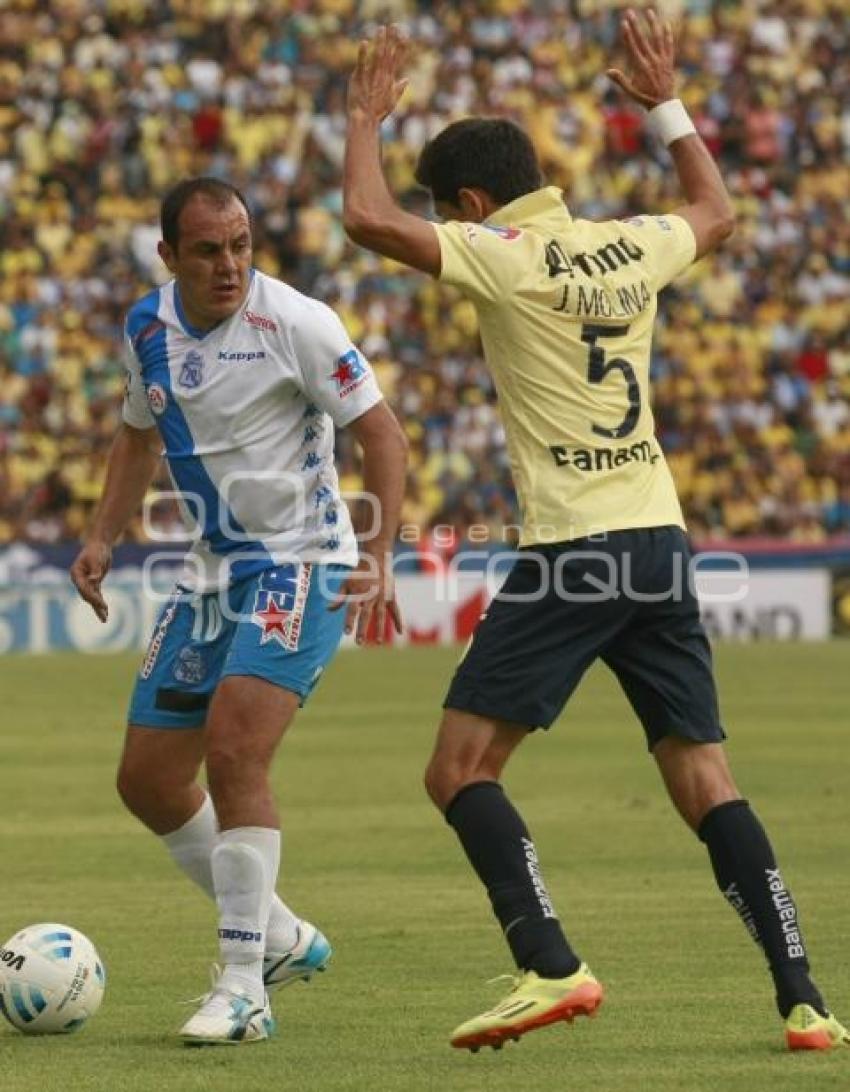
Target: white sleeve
[337, 377]
[136, 411]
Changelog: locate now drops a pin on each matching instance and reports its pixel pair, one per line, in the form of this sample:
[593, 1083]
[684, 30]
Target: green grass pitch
[688, 1005]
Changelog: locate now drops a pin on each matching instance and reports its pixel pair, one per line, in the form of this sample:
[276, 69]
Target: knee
[715, 798]
[222, 760]
[697, 777]
[229, 762]
[150, 789]
[125, 786]
[433, 782]
[704, 797]
[714, 785]
[445, 777]
[136, 788]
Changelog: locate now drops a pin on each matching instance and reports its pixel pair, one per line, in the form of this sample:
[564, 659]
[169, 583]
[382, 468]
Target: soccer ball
[51, 979]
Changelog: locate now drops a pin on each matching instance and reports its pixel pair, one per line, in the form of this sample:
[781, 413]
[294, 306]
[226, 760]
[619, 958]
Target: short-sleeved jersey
[566, 309]
[246, 412]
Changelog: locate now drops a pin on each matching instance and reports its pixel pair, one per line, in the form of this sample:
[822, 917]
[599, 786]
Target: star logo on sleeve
[344, 373]
[350, 373]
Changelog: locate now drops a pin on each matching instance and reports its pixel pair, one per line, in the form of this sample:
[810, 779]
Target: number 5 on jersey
[598, 368]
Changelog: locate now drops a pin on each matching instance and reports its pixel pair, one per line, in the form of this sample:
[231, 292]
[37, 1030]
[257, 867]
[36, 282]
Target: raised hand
[377, 83]
[651, 77]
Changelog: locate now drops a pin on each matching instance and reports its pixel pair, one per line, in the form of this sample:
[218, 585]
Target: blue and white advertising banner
[41, 612]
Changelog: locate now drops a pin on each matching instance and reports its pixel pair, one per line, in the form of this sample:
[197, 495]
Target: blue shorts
[275, 625]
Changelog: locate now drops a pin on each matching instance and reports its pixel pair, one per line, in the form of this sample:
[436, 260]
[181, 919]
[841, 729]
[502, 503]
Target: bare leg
[696, 775]
[469, 748]
[246, 722]
[157, 776]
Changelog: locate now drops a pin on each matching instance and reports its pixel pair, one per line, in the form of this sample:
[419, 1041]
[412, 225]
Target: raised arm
[371, 216]
[651, 81]
[133, 461]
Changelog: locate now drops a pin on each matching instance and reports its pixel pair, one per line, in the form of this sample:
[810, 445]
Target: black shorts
[625, 598]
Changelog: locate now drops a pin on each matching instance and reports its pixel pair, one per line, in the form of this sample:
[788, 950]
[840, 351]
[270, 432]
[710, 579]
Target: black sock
[746, 873]
[499, 848]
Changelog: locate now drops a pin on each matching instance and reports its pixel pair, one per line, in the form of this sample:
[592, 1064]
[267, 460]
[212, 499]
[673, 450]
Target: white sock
[191, 847]
[192, 844]
[244, 868]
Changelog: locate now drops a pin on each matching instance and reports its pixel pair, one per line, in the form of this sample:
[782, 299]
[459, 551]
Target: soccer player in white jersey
[566, 309]
[241, 380]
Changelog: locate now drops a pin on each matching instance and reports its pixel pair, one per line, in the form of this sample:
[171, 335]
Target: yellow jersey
[566, 309]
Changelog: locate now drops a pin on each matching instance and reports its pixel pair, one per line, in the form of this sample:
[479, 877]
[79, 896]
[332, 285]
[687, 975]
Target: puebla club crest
[192, 371]
[190, 667]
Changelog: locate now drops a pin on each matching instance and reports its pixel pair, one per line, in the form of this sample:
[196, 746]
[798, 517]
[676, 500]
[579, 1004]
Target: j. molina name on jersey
[589, 301]
[593, 300]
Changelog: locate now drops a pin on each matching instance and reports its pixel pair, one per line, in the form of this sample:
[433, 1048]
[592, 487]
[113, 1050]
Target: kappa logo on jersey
[241, 358]
[192, 372]
[157, 398]
[351, 373]
[279, 604]
[508, 233]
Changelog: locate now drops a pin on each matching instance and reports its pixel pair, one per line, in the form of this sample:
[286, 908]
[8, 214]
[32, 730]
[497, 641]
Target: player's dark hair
[490, 154]
[177, 198]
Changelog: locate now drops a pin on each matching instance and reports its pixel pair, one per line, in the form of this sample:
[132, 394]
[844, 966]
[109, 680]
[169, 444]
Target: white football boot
[309, 954]
[229, 1017]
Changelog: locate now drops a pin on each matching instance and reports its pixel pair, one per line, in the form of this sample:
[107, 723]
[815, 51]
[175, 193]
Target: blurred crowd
[105, 103]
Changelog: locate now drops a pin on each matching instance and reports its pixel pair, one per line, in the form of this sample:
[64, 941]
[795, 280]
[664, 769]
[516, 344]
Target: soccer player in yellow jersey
[566, 309]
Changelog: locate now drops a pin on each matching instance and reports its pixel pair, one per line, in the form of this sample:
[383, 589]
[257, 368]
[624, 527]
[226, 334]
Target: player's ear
[167, 254]
[476, 204]
[471, 204]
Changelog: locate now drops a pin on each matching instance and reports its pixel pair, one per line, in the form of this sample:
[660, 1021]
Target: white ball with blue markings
[51, 979]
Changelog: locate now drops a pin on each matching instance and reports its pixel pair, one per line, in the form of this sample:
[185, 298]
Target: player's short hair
[177, 198]
[490, 154]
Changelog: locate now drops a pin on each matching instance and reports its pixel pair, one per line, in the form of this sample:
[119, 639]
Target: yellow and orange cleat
[806, 1029]
[533, 1003]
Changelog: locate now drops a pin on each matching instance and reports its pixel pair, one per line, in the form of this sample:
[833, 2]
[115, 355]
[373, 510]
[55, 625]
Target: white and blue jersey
[246, 412]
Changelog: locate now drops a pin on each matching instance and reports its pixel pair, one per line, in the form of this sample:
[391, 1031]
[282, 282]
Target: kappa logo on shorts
[152, 654]
[279, 604]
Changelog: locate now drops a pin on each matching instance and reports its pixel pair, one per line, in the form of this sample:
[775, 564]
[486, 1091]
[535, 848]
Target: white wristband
[670, 121]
